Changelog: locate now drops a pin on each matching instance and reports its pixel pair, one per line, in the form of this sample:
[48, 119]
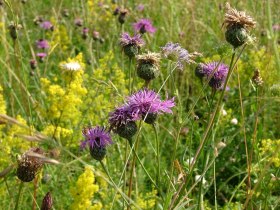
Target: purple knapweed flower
[78, 22]
[217, 72]
[41, 56]
[96, 137]
[131, 45]
[47, 25]
[276, 27]
[148, 101]
[175, 52]
[122, 115]
[126, 39]
[143, 26]
[42, 44]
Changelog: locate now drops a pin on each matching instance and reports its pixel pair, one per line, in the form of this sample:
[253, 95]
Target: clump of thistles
[215, 71]
[174, 51]
[29, 165]
[237, 25]
[148, 66]
[97, 139]
[131, 45]
[144, 104]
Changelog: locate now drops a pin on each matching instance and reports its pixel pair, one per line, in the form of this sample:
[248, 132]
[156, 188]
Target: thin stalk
[158, 155]
[19, 193]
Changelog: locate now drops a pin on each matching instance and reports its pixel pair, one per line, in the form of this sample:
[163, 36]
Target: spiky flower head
[175, 52]
[237, 26]
[143, 26]
[148, 65]
[234, 17]
[47, 202]
[131, 45]
[42, 44]
[122, 15]
[122, 121]
[148, 102]
[78, 22]
[217, 73]
[73, 64]
[257, 79]
[97, 139]
[29, 164]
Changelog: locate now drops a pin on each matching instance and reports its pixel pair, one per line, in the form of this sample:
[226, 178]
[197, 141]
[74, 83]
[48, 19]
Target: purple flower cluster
[138, 106]
[47, 25]
[216, 72]
[96, 137]
[175, 52]
[136, 40]
[143, 26]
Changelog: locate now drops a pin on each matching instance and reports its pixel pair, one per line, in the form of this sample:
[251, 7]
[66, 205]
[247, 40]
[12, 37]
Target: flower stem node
[150, 118]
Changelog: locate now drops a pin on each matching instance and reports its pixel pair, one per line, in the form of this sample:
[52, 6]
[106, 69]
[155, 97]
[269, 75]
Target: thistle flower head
[29, 164]
[151, 58]
[136, 40]
[235, 17]
[121, 116]
[47, 202]
[42, 44]
[78, 22]
[217, 72]
[47, 25]
[143, 26]
[147, 101]
[96, 137]
[175, 52]
[257, 79]
[41, 56]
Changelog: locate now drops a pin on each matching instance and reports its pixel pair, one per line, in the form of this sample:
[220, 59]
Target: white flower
[198, 177]
[71, 66]
[224, 112]
[189, 161]
[234, 121]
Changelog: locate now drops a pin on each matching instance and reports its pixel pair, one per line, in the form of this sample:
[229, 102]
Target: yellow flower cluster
[11, 143]
[107, 86]
[64, 103]
[84, 191]
[58, 132]
[147, 201]
[2, 102]
[102, 13]
[271, 149]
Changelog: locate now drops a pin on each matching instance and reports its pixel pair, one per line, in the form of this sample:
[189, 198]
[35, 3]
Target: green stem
[19, 193]
[158, 155]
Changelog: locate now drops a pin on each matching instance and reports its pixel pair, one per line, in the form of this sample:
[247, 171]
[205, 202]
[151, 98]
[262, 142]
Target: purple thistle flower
[218, 71]
[42, 44]
[136, 40]
[47, 25]
[96, 137]
[140, 7]
[147, 101]
[122, 115]
[144, 25]
[78, 22]
[175, 52]
[41, 56]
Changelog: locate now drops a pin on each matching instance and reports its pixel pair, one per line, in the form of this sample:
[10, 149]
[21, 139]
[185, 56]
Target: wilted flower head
[78, 22]
[235, 17]
[14, 28]
[131, 45]
[148, 101]
[257, 79]
[148, 65]
[180, 55]
[217, 72]
[33, 64]
[73, 64]
[122, 15]
[29, 165]
[143, 26]
[47, 25]
[42, 44]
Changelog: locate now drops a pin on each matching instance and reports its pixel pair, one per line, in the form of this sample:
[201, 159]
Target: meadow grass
[219, 149]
